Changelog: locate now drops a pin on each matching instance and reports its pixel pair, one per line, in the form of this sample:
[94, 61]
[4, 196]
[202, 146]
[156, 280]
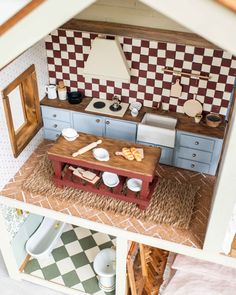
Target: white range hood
[107, 61]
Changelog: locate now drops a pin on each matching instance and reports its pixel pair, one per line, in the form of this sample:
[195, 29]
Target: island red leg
[144, 195]
[57, 167]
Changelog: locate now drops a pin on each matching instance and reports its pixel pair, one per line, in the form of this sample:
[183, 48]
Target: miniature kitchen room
[114, 152]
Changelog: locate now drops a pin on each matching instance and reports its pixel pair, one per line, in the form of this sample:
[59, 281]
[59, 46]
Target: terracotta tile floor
[193, 237]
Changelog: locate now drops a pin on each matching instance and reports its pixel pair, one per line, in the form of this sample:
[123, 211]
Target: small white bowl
[134, 184]
[110, 179]
[71, 138]
[137, 105]
[101, 154]
[69, 133]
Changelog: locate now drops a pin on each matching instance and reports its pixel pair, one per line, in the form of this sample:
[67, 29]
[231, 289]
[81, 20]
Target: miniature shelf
[120, 192]
[180, 73]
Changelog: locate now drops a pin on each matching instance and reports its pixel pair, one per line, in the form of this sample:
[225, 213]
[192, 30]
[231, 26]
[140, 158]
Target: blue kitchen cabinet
[197, 152]
[119, 129]
[54, 120]
[90, 124]
[166, 153]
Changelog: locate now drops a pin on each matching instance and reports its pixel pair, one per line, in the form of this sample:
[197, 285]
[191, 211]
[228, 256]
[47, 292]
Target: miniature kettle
[116, 102]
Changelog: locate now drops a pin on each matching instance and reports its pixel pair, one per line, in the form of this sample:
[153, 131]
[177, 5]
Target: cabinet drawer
[56, 114]
[51, 134]
[192, 165]
[195, 155]
[55, 125]
[195, 142]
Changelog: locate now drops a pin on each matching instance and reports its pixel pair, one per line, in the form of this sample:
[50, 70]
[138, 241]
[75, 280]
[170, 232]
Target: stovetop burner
[106, 107]
[99, 105]
[115, 109]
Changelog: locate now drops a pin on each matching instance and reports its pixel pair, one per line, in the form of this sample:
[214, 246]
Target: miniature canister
[62, 92]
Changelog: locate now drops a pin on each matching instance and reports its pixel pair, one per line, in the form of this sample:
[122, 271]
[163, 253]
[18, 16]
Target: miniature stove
[105, 107]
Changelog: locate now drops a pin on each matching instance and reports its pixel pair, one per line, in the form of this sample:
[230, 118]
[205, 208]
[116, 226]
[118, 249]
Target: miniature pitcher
[51, 91]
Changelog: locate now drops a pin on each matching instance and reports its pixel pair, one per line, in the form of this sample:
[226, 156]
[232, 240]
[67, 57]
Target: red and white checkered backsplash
[68, 50]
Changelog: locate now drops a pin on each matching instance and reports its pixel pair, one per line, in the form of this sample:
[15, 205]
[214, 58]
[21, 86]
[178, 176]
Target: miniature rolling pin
[87, 148]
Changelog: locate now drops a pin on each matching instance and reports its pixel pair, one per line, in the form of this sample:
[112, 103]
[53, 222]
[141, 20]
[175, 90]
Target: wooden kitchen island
[61, 156]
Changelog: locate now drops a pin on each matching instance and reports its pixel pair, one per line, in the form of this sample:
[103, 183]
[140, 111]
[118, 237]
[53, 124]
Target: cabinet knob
[54, 115]
[55, 125]
[107, 122]
[193, 155]
[192, 165]
[98, 120]
[196, 142]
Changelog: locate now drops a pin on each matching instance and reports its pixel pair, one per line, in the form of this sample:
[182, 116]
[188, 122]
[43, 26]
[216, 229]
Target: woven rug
[172, 203]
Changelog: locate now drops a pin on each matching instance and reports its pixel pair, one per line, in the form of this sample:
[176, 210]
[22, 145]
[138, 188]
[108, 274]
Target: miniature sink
[157, 129]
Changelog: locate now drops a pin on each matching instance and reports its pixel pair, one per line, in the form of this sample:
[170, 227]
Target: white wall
[225, 196]
[130, 12]
[35, 55]
[9, 8]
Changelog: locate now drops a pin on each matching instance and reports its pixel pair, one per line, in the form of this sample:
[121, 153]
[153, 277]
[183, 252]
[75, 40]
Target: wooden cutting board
[176, 89]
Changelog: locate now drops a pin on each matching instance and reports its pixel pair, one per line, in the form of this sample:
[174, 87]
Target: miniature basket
[213, 120]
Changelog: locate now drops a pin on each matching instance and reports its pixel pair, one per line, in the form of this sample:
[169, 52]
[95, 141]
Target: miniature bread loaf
[136, 154]
[127, 154]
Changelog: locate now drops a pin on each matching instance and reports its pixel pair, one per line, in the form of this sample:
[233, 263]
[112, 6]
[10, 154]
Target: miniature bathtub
[43, 241]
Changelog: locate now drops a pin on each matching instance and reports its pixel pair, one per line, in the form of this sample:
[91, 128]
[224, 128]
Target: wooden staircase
[145, 268]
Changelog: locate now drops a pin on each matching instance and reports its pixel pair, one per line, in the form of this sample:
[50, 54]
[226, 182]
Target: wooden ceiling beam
[139, 32]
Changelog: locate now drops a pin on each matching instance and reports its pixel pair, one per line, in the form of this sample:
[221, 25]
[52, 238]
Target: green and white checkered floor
[71, 262]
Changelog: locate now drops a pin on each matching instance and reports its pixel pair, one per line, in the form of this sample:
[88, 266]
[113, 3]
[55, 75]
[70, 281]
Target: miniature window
[22, 109]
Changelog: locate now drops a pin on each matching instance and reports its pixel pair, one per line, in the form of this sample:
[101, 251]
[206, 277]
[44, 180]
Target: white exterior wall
[35, 55]
[47, 17]
[131, 12]
[225, 196]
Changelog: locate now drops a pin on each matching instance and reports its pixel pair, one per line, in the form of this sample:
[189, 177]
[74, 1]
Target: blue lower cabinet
[166, 153]
[90, 124]
[118, 129]
[51, 134]
[197, 152]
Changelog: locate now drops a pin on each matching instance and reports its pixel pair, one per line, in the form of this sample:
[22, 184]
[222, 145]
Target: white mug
[51, 91]
[134, 112]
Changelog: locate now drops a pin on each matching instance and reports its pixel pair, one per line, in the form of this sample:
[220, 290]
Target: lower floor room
[71, 261]
[61, 253]
[84, 260]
